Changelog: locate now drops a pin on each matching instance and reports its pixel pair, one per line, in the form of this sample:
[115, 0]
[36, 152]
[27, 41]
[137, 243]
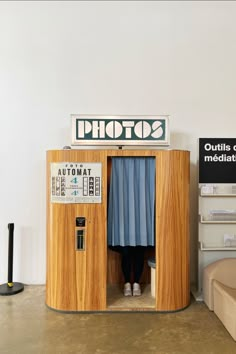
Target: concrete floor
[28, 326]
[116, 301]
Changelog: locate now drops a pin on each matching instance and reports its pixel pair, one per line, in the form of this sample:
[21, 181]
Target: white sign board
[120, 130]
[76, 182]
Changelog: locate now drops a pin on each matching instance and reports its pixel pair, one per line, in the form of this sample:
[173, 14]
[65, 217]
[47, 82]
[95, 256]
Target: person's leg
[126, 263]
[138, 262]
[138, 268]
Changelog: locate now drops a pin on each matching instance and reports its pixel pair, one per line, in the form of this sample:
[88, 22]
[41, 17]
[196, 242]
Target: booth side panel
[61, 259]
[76, 278]
[172, 230]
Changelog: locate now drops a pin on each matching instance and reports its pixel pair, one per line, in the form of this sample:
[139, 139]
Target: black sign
[217, 160]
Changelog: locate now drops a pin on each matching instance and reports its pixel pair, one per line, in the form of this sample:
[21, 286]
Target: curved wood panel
[172, 230]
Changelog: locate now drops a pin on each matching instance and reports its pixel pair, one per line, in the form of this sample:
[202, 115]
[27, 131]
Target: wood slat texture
[172, 230]
[77, 280]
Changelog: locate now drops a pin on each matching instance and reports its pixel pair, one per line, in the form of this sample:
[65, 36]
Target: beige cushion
[224, 271]
[225, 306]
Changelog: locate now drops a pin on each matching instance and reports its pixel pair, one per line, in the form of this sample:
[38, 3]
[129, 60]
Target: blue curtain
[131, 202]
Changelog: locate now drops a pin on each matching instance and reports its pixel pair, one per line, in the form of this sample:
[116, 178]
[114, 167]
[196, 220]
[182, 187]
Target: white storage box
[152, 264]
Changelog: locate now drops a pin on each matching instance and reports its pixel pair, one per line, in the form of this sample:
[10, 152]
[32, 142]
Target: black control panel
[80, 221]
[80, 240]
[80, 232]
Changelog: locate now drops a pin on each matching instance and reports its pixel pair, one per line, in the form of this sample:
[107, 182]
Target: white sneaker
[127, 289]
[136, 289]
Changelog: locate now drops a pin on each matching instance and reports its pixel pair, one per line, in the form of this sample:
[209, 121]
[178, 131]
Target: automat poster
[75, 182]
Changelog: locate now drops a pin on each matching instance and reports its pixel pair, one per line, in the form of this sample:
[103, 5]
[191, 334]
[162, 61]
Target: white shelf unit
[217, 195]
[207, 221]
[211, 232]
[204, 247]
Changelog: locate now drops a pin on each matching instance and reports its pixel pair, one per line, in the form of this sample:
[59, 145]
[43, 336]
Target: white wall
[58, 58]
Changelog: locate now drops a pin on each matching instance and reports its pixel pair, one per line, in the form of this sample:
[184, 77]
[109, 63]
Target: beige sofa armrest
[224, 271]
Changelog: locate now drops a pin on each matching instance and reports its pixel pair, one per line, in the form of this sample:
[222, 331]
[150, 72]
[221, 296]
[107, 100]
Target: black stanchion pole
[10, 254]
[11, 288]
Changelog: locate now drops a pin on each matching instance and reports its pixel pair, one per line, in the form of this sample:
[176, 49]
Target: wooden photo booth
[78, 277]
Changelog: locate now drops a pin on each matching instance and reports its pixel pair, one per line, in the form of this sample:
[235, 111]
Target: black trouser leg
[126, 263]
[138, 254]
